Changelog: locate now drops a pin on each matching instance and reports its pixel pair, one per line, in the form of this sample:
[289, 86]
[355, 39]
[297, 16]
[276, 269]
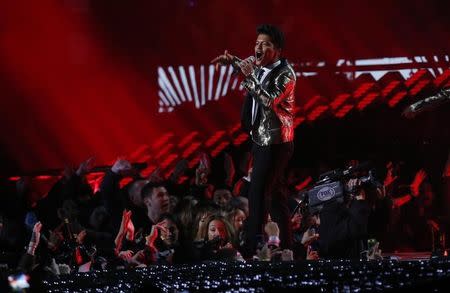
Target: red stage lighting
[393, 89]
[312, 102]
[442, 79]
[168, 160]
[219, 148]
[315, 107]
[302, 185]
[163, 151]
[147, 171]
[317, 112]
[343, 111]
[234, 129]
[415, 77]
[419, 86]
[240, 139]
[187, 139]
[193, 163]
[298, 121]
[390, 88]
[213, 139]
[339, 100]
[363, 89]
[366, 101]
[396, 98]
[136, 156]
[190, 150]
[162, 141]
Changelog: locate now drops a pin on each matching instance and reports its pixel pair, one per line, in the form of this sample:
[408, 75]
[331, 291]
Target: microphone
[237, 61]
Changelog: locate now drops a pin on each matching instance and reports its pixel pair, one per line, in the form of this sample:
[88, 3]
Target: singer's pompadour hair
[275, 34]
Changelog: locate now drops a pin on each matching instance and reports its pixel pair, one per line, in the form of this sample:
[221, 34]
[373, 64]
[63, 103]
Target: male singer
[267, 114]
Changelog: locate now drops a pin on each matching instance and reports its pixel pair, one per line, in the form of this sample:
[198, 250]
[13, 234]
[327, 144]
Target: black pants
[268, 193]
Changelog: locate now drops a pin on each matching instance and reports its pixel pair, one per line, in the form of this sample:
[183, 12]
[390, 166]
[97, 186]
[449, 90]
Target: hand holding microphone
[247, 66]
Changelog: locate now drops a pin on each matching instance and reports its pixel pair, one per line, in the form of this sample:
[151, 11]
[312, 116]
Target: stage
[322, 275]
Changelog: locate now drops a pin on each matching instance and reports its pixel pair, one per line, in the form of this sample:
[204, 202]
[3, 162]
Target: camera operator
[343, 223]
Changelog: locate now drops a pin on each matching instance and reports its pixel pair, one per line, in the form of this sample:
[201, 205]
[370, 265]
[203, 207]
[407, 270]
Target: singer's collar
[271, 66]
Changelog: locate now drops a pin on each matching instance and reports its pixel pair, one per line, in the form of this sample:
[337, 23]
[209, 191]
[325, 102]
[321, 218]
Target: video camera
[332, 186]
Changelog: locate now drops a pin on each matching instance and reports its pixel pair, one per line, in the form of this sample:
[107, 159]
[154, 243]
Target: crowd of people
[157, 220]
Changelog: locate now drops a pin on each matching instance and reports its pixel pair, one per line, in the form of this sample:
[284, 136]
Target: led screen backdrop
[104, 78]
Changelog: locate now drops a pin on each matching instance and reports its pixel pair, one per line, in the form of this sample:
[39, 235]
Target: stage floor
[323, 275]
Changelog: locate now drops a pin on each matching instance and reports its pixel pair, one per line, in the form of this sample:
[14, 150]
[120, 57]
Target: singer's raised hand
[224, 59]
